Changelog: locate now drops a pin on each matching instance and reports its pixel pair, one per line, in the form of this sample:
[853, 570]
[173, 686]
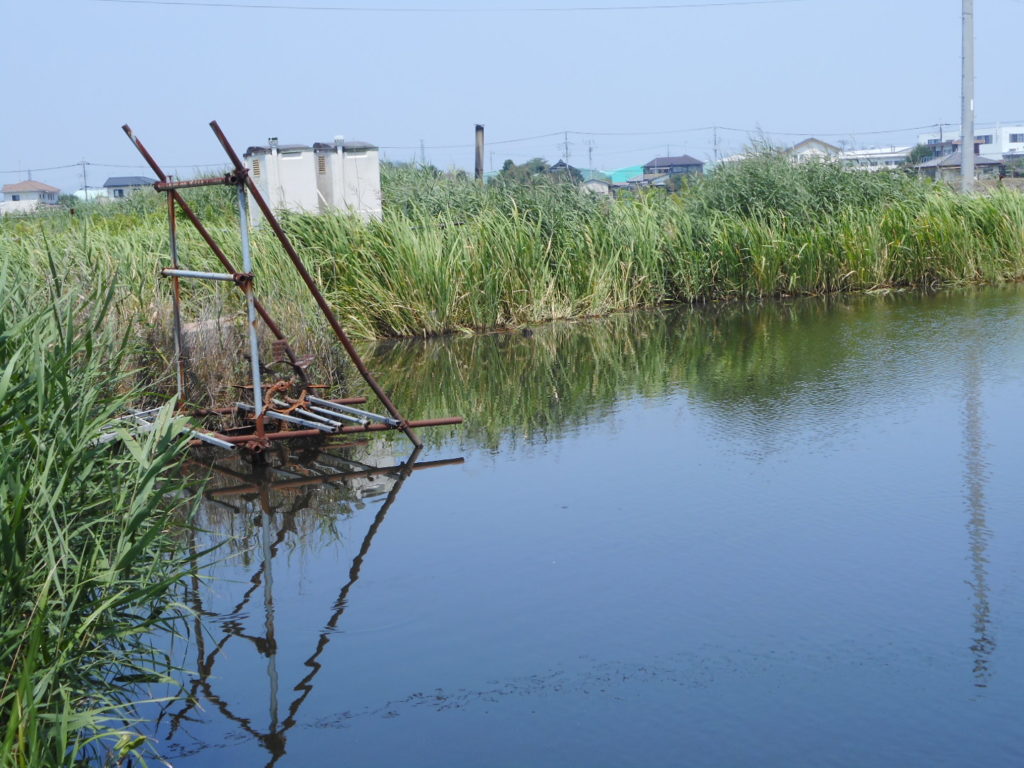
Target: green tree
[526, 173]
[918, 155]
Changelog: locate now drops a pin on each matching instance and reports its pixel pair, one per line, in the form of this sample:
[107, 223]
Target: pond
[787, 534]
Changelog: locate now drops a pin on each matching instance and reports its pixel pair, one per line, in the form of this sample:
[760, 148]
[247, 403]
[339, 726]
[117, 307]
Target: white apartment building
[994, 140]
[874, 159]
[336, 176]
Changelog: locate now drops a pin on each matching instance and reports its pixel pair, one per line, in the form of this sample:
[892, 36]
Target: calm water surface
[781, 535]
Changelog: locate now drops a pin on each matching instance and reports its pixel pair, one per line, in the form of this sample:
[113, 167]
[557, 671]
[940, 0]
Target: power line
[80, 163]
[52, 168]
[408, 9]
[670, 132]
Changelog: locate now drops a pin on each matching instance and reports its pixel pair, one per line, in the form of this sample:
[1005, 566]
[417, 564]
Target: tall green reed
[87, 569]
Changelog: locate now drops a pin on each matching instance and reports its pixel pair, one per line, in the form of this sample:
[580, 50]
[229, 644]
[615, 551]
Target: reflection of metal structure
[256, 487]
[289, 404]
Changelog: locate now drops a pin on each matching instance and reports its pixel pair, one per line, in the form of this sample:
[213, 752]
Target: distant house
[598, 186]
[874, 159]
[812, 149]
[564, 169]
[27, 196]
[122, 186]
[947, 167]
[676, 165]
[998, 139]
[326, 176]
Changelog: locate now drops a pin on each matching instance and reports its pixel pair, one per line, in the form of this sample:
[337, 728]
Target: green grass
[87, 567]
[454, 256]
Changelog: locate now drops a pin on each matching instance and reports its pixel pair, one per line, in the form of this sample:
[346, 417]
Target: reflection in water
[974, 480]
[812, 594]
[255, 490]
[752, 365]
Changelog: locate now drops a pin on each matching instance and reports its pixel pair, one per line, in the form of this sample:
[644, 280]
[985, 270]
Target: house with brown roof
[26, 196]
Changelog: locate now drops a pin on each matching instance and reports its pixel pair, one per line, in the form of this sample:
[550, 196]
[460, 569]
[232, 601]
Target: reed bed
[452, 255]
[87, 567]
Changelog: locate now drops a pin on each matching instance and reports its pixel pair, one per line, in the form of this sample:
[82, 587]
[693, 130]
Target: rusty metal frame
[246, 189]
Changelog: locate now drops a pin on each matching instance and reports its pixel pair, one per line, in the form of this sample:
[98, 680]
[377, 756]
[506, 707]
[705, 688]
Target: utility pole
[967, 101]
[479, 169]
[423, 154]
[565, 154]
[715, 129]
[85, 181]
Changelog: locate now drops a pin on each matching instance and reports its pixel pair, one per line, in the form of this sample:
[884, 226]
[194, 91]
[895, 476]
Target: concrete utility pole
[479, 170]
[967, 102]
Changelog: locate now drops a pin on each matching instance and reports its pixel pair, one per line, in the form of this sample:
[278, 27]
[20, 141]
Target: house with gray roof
[673, 165]
[122, 186]
[947, 167]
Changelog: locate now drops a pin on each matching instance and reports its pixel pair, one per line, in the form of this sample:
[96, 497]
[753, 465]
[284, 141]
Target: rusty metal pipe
[300, 267]
[411, 424]
[302, 433]
[167, 186]
[217, 250]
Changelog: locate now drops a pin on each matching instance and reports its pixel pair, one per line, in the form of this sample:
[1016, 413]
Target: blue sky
[76, 70]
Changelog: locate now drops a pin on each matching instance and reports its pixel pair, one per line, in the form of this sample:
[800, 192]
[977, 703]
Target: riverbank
[452, 256]
[87, 563]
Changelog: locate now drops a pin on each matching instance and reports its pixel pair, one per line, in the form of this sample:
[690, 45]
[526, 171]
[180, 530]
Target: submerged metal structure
[282, 409]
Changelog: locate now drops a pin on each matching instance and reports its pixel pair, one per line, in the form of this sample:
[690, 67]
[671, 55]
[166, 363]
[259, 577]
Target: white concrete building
[992, 140]
[337, 176]
[27, 196]
[874, 159]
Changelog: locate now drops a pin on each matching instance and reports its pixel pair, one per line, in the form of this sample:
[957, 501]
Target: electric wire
[491, 10]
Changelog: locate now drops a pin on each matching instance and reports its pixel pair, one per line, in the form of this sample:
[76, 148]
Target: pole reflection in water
[978, 533]
[297, 475]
